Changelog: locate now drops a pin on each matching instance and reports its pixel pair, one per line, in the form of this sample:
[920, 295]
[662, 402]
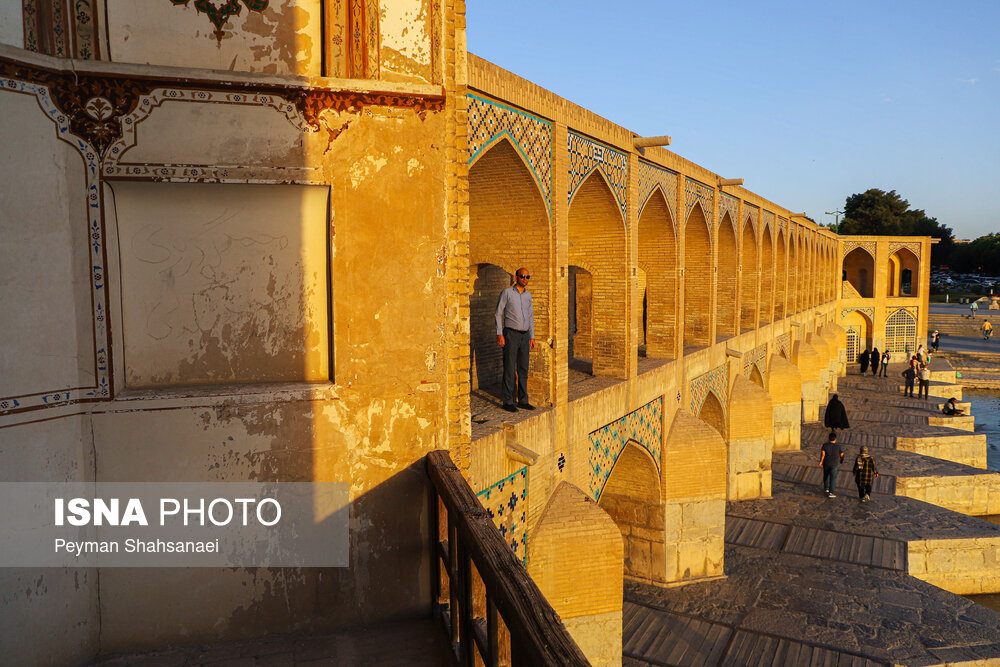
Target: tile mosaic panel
[782, 222]
[651, 175]
[753, 213]
[695, 192]
[731, 205]
[643, 426]
[715, 380]
[506, 502]
[767, 219]
[585, 155]
[756, 357]
[847, 246]
[782, 344]
[531, 136]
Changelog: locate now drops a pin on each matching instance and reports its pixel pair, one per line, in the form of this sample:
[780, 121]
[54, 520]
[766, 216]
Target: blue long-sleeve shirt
[515, 310]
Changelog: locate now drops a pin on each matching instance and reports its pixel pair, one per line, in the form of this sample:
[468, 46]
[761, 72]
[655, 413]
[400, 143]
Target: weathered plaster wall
[405, 28]
[284, 38]
[11, 24]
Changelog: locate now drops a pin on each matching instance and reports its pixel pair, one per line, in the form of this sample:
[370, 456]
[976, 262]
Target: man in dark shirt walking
[515, 320]
[830, 457]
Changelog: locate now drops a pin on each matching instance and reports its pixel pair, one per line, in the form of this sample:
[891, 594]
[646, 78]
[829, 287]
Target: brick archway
[727, 323]
[698, 293]
[658, 259]
[749, 273]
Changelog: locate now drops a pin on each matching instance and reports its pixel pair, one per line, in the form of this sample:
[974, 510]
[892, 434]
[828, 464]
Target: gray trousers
[515, 364]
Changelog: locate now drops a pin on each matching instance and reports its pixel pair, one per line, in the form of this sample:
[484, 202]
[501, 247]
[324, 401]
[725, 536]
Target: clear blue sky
[809, 102]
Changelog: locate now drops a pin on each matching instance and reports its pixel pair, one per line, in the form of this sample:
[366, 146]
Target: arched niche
[903, 271]
[726, 301]
[859, 270]
[698, 301]
[713, 414]
[657, 258]
[748, 278]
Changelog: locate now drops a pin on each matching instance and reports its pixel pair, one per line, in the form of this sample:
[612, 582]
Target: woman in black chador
[836, 415]
[863, 359]
[876, 356]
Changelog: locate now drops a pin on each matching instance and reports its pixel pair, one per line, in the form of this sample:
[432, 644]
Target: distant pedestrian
[875, 359]
[973, 307]
[884, 366]
[921, 355]
[836, 414]
[864, 474]
[830, 457]
[950, 409]
[910, 374]
[935, 340]
[924, 376]
[864, 359]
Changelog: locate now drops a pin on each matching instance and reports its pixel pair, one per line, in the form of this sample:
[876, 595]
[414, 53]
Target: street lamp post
[836, 220]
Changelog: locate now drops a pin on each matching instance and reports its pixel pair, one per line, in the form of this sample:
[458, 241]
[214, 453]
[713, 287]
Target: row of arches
[734, 277]
[858, 274]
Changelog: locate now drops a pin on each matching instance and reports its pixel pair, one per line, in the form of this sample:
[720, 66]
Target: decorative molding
[586, 155]
[506, 502]
[219, 12]
[914, 247]
[716, 381]
[695, 192]
[868, 311]
[530, 135]
[847, 247]
[643, 426]
[650, 176]
[96, 259]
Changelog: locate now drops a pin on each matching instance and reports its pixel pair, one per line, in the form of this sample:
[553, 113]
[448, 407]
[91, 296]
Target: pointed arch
[748, 278]
[698, 293]
[859, 269]
[768, 267]
[726, 295]
[597, 242]
[657, 257]
[904, 269]
[858, 327]
[756, 377]
[781, 277]
[506, 237]
[713, 414]
[901, 332]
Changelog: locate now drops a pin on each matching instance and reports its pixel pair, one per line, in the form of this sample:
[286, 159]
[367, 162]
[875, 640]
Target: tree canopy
[983, 253]
[879, 213]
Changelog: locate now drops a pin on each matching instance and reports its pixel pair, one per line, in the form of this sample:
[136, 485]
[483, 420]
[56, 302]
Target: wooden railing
[481, 580]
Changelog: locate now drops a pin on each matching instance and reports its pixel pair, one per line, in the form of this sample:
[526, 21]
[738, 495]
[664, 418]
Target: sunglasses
[526, 277]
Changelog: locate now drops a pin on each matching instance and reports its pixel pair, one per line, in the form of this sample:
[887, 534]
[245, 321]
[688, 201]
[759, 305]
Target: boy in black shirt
[830, 457]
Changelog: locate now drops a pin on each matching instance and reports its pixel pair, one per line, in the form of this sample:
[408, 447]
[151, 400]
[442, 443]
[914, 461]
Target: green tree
[879, 213]
[981, 254]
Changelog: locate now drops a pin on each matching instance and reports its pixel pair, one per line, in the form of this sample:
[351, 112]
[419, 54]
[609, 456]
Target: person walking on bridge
[875, 357]
[910, 374]
[864, 360]
[987, 329]
[830, 457]
[883, 367]
[973, 307]
[924, 376]
[864, 474]
[515, 321]
[935, 340]
[835, 415]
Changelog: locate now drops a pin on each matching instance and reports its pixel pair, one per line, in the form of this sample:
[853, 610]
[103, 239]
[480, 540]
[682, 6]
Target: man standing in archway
[515, 320]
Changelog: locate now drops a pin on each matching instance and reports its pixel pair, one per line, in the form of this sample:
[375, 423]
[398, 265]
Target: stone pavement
[813, 580]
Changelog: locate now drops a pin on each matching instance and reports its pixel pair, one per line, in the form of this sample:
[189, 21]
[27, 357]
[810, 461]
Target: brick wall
[780, 278]
[485, 356]
[767, 282]
[658, 259]
[726, 286]
[697, 280]
[749, 279]
[597, 243]
[581, 313]
[712, 414]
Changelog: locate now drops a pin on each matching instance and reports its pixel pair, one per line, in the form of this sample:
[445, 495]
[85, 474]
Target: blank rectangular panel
[223, 283]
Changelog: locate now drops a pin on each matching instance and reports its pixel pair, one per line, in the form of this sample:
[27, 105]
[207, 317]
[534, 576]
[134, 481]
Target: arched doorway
[859, 271]
[859, 334]
[770, 278]
[901, 332]
[904, 267]
[503, 238]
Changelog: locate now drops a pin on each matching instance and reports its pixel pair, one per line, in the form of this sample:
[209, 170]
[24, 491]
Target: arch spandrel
[694, 460]
[784, 381]
[749, 410]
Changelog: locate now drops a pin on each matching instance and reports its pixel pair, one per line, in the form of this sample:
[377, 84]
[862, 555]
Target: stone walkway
[819, 581]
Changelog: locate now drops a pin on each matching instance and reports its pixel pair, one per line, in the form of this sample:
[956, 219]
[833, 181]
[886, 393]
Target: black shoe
[526, 406]
[509, 407]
